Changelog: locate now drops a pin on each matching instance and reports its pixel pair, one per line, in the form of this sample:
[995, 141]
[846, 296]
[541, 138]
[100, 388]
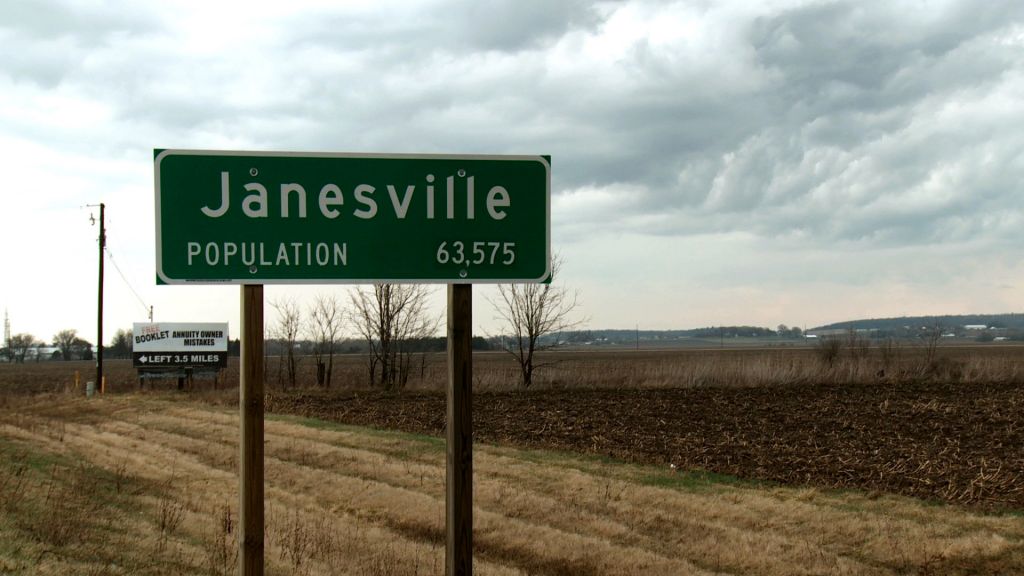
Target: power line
[127, 283]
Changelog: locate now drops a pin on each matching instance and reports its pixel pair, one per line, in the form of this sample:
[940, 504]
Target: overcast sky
[756, 162]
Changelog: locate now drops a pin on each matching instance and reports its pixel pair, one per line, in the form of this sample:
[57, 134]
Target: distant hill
[715, 332]
[1013, 321]
[692, 336]
[1009, 326]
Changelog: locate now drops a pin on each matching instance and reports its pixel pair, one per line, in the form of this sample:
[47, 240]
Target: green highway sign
[311, 218]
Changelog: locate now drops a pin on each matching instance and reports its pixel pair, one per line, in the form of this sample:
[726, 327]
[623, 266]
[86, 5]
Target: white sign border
[163, 153]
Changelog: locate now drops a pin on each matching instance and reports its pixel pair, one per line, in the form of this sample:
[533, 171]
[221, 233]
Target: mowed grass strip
[155, 476]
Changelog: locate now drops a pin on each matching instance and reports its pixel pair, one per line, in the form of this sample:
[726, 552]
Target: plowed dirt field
[961, 443]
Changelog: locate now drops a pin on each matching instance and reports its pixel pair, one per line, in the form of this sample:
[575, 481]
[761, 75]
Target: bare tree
[325, 316]
[930, 337]
[65, 341]
[82, 349]
[40, 347]
[533, 312]
[391, 317]
[120, 345]
[20, 344]
[289, 323]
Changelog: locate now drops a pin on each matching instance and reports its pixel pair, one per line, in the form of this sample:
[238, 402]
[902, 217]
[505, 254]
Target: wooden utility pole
[99, 307]
[459, 487]
[250, 509]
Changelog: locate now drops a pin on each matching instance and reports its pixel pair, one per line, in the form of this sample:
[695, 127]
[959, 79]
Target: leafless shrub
[303, 540]
[859, 345]
[12, 480]
[221, 546]
[170, 513]
[296, 542]
[930, 340]
[890, 352]
[67, 510]
[121, 476]
[828, 349]
[384, 562]
[60, 429]
[944, 369]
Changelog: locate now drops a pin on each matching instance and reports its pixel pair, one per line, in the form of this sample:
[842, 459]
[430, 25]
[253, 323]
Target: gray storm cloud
[759, 134]
[891, 123]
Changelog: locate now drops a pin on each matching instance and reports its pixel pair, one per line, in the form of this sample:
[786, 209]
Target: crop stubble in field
[960, 443]
[891, 423]
[357, 501]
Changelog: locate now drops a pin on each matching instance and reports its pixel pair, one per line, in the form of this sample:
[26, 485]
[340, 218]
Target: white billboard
[157, 344]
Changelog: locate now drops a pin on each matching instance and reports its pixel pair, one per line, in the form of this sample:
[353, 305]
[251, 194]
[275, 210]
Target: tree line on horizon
[68, 346]
[388, 323]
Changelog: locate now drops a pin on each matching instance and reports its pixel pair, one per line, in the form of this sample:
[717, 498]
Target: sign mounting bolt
[253, 172]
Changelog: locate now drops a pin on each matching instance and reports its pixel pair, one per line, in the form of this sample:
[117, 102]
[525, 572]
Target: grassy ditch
[62, 515]
[146, 484]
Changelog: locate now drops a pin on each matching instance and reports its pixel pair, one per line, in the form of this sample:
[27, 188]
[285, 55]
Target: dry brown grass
[602, 368]
[149, 483]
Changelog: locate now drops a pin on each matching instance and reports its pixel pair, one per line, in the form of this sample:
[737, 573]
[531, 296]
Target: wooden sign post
[250, 509]
[459, 485]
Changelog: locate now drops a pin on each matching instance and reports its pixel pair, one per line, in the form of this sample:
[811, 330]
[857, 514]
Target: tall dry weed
[828, 350]
[170, 514]
[221, 543]
[67, 513]
[384, 562]
[305, 540]
[12, 480]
